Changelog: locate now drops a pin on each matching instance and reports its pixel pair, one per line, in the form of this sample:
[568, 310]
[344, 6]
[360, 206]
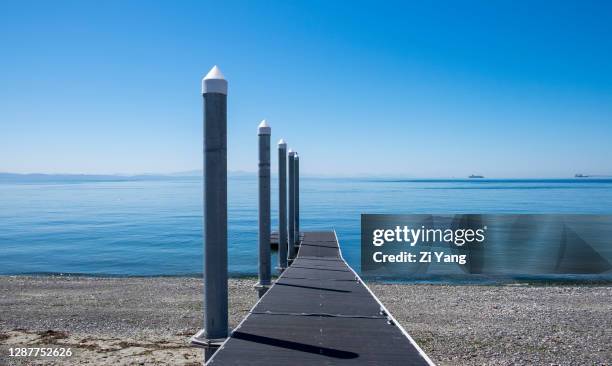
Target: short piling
[291, 213]
[282, 205]
[263, 132]
[214, 91]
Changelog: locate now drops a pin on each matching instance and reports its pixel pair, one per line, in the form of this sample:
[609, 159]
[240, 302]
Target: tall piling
[263, 132]
[282, 205]
[214, 92]
[297, 197]
[291, 214]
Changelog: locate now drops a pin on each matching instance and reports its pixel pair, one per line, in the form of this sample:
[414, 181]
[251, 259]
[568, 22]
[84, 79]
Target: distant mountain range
[197, 174]
[40, 177]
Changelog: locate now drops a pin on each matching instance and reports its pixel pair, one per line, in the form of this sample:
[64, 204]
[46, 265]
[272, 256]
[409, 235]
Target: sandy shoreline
[124, 321]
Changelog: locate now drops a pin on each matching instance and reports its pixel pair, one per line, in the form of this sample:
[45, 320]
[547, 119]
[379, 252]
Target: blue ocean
[147, 227]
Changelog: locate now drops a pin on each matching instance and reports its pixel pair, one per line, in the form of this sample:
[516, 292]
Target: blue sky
[414, 89]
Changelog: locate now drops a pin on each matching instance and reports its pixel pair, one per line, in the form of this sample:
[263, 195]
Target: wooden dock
[319, 312]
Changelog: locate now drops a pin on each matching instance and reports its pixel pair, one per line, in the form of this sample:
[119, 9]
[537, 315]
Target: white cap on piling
[282, 143]
[264, 128]
[291, 152]
[214, 82]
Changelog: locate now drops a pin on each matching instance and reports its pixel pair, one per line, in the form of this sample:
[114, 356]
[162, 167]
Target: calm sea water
[154, 227]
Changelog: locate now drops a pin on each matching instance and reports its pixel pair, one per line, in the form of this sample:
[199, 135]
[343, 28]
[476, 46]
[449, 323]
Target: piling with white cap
[282, 205]
[297, 198]
[291, 220]
[214, 91]
[264, 131]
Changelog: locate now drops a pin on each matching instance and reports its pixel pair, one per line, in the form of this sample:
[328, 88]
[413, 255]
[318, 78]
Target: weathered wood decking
[319, 312]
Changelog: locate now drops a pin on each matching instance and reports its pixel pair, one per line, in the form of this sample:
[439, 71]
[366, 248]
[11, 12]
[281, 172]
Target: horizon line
[199, 173]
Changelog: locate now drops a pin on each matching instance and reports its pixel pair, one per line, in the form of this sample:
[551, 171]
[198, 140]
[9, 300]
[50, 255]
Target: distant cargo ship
[580, 176]
[475, 176]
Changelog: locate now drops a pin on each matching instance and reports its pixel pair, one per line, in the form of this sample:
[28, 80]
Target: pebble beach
[148, 321]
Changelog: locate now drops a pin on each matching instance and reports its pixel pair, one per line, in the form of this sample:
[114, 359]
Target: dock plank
[319, 312]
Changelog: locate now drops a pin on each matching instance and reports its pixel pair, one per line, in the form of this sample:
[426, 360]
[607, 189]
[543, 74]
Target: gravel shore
[505, 325]
[126, 321]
